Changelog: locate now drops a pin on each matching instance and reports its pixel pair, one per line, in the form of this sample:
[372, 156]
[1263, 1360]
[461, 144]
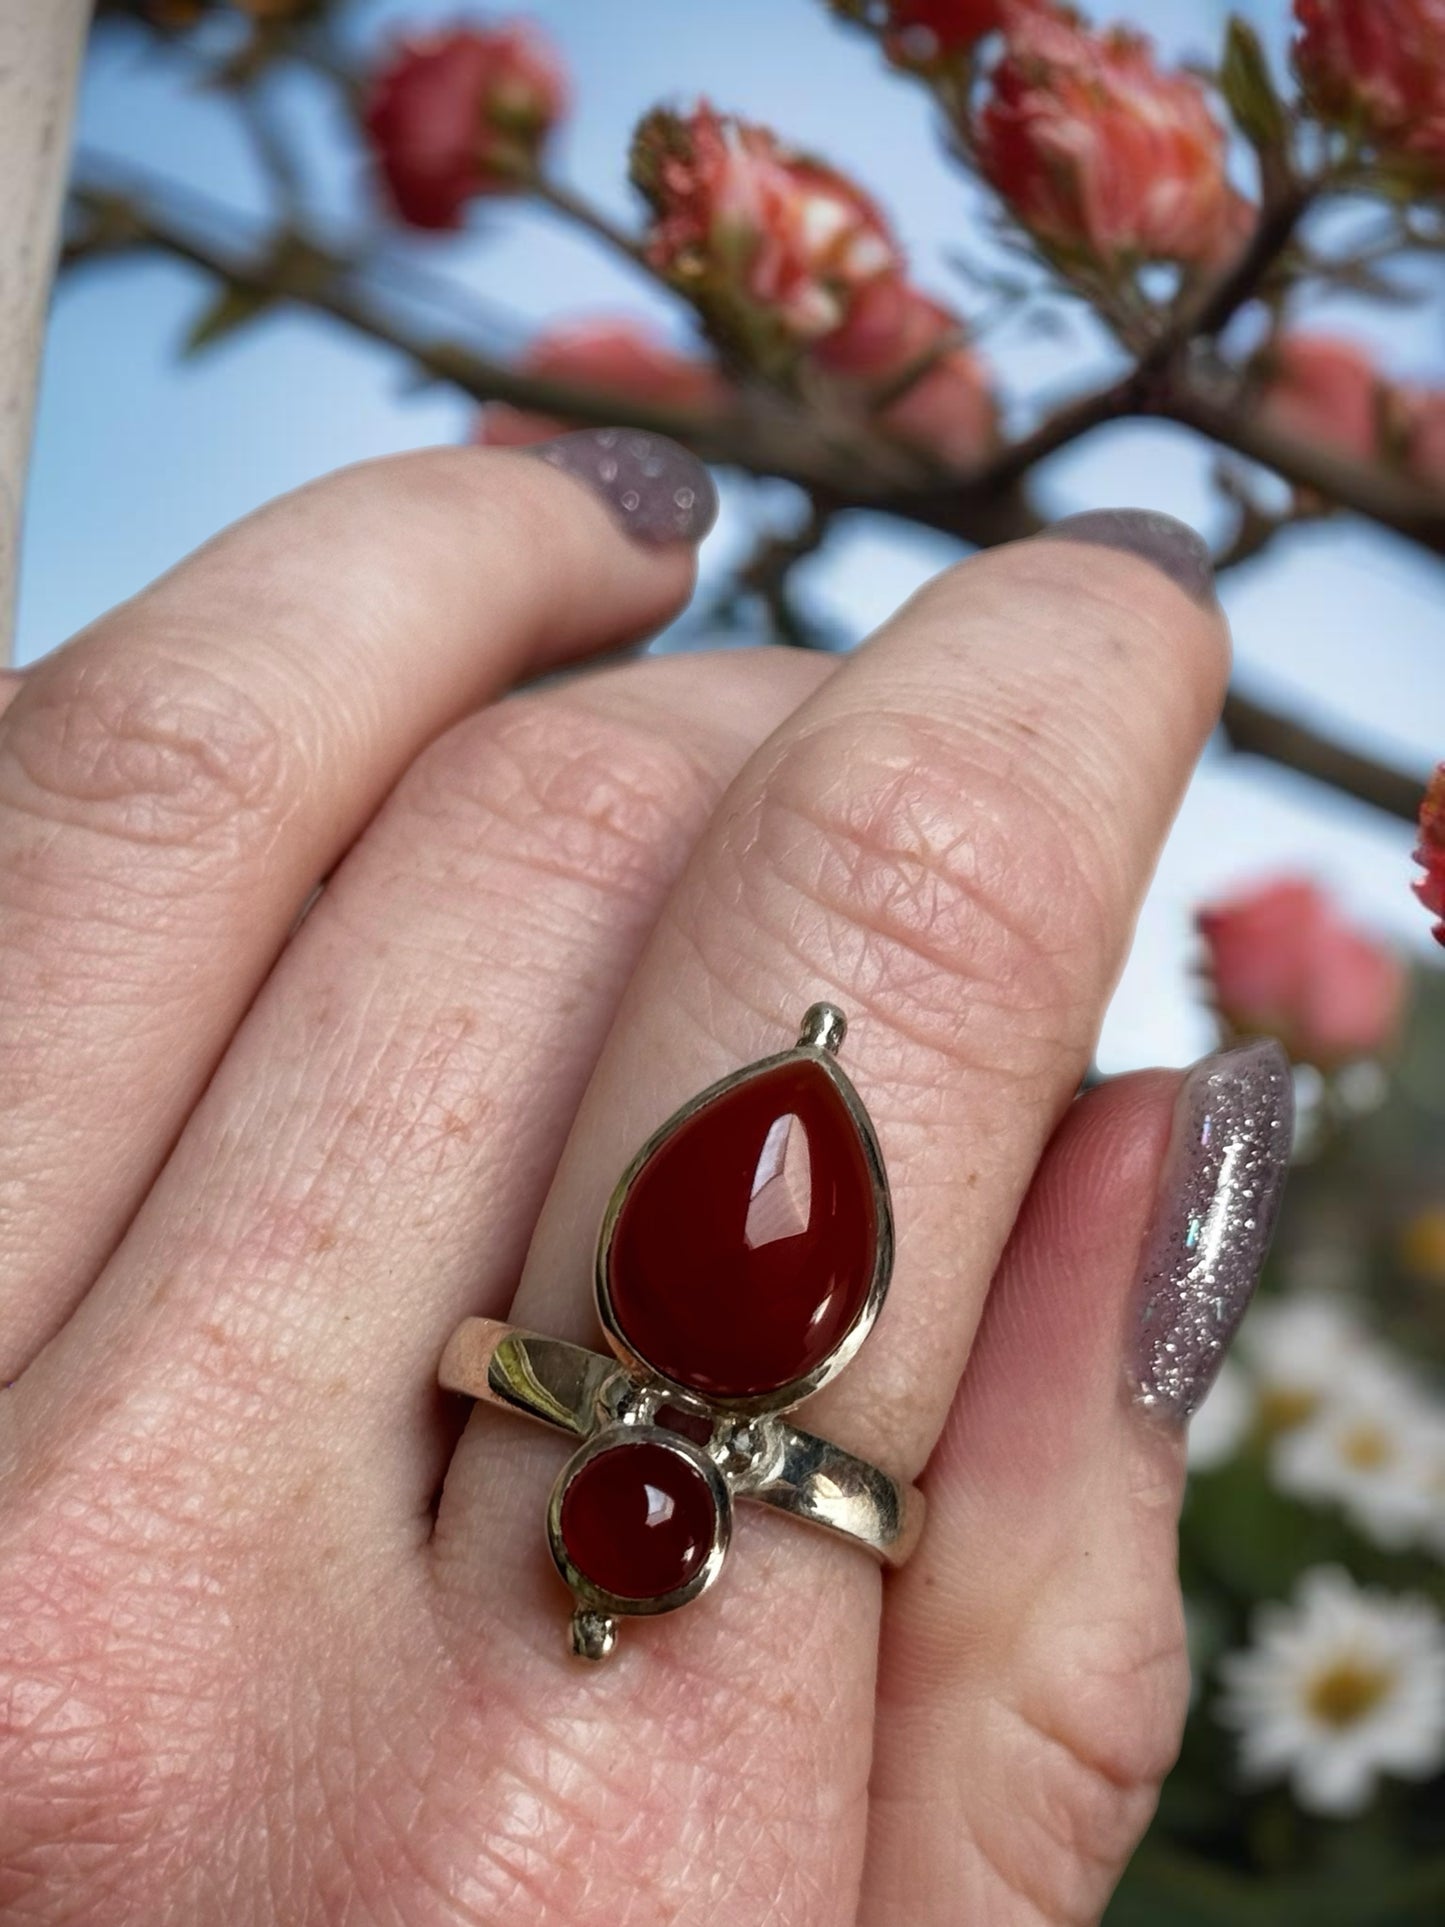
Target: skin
[252, 1668]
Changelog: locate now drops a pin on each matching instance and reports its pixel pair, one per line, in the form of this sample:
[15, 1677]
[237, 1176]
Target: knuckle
[150, 751]
[932, 855]
[1098, 1750]
[581, 798]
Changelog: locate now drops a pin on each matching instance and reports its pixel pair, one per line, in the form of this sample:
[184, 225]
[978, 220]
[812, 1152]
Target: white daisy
[1369, 1449]
[1338, 1687]
[1301, 1350]
[1218, 1428]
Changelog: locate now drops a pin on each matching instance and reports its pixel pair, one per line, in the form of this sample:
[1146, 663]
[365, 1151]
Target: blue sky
[139, 457]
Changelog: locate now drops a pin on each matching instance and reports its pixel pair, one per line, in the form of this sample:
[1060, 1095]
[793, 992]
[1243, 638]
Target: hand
[252, 1668]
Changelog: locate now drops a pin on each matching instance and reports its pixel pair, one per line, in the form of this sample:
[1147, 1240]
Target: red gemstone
[638, 1520]
[746, 1247]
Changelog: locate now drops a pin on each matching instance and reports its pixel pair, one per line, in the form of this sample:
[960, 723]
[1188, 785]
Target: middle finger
[950, 840]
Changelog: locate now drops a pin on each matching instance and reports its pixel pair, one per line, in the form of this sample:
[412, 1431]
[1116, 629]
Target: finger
[174, 782]
[949, 841]
[370, 1158]
[1033, 1677]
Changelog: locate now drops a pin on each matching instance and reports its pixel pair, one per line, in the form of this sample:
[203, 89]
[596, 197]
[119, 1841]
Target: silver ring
[681, 1422]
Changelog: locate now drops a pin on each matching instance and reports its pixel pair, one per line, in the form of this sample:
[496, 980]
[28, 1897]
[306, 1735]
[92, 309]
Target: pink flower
[620, 358]
[740, 218]
[1099, 152]
[462, 113]
[948, 411]
[1430, 852]
[1283, 962]
[1320, 388]
[922, 33]
[1377, 68]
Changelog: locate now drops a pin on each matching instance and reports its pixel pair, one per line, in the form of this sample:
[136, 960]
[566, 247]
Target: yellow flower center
[1283, 1407]
[1345, 1692]
[1422, 1245]
[1366, 1447]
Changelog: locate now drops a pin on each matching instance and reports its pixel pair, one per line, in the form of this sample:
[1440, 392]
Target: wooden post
[41, 42]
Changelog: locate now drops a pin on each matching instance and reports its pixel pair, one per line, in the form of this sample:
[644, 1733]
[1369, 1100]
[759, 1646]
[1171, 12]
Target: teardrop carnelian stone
[745, 1249]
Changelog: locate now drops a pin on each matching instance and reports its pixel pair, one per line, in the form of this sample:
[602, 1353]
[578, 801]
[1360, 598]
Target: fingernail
[657, 491]
[1219, 1194]
[1172, 546]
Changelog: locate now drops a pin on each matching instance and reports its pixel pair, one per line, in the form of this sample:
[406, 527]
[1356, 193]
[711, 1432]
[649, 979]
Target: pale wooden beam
[41, 42]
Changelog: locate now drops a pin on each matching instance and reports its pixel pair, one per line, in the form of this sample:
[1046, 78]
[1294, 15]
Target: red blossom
[1430, 852]
[462, 113]
[1098, 151]
[1324, 389]
[1377, 67]
[919, 33]
[620, 358]
[948, 411]
[1283, 962]
[739, 213]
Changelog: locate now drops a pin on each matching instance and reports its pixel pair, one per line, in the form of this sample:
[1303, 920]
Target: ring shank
[563, 1385]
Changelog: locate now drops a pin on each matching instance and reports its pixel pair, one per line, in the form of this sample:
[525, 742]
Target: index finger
[176, 780]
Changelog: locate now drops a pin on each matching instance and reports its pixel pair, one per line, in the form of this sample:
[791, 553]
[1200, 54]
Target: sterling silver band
[761, 1457]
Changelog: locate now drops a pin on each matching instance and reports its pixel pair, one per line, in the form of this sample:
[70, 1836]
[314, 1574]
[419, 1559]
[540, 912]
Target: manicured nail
[1219, 1196]
[1172, 546]
[655, 489]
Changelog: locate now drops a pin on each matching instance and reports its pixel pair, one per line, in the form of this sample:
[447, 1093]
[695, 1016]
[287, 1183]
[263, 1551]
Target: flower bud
[926, 33]
[620, 358]
[1284, 963]
[1323, 389]
[775, 246]
[462, 113]
[1430, 851]
[947, 409]
[1100, 154]
[1377, 69]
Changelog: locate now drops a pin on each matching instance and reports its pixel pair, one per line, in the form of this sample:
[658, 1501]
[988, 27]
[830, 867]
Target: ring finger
[950, 840]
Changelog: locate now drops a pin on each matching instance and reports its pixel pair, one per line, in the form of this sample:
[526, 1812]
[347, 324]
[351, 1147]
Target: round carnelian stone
[745, 1249]
[638, 1520]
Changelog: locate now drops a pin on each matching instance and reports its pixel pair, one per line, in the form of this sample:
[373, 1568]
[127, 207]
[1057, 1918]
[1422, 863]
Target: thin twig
[767, 575]
[582, 213]
[1252, 729]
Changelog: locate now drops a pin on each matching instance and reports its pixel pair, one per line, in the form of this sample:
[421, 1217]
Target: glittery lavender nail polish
[1219, 1195]
[657, 492]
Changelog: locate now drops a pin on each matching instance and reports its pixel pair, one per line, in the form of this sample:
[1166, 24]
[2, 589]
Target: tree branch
[575, 208]
[841, 466]
[1254, 730]
[1371, 490]
[983, 509]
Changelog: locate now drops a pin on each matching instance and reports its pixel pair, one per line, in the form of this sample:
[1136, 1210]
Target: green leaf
[1249, 88]
[230, 309]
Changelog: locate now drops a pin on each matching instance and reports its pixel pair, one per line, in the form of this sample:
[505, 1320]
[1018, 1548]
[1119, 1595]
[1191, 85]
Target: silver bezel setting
[825, 1024]
[612, 1400]
[621, 1438]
